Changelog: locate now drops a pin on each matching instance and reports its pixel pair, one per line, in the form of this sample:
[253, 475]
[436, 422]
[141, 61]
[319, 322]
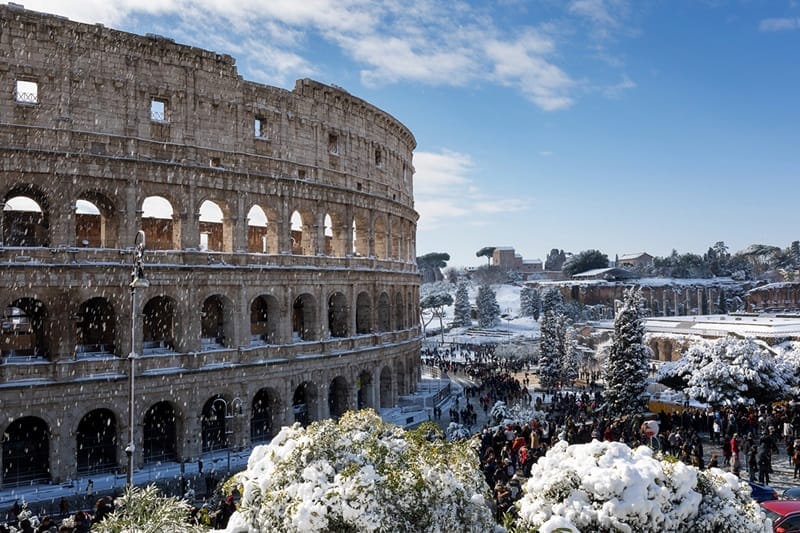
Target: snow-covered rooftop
[762, 326]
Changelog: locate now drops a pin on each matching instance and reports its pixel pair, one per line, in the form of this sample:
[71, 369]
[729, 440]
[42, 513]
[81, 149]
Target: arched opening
[158, 324]
[266, 407]
[386, 387]
[381, 245]
[213, 425]
[304, 403]
[337, 397]
[25, 220]
[257, 233]
[303, 319]
[399, 320]
[96, 327]
[23, 330]
[384, 320]
[159, 441]
[96, 223]
[363, 314]
[212, 238]
[337, 315]
[158, 224]
[360, 236]
[297, 233]
[96, 441]
[328, 233]
[213, 323]
[365, 396]
[264, 320]
[400, 373]
[26, 451]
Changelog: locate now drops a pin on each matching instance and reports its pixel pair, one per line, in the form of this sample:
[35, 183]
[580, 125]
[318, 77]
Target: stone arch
[96, 221]
[384, 313]
[216, 326]
[304, 403]
[265, 320]
[335, 234]
[262, 232]
[380, 236]
[302, 235]
[338, 397]
[159, 433]
[26, 217]
[386, 399]
[160, 225]
[213, 424]
[24, 329]
[266, 417]
[360, 235]
[365, 392]
[363, 313]
[96, 442]
[400, 377]
[399, 318]
[26, 451]
[214, 227]
[304, 318]
[159, 323]
[337, 315]
[96, 327]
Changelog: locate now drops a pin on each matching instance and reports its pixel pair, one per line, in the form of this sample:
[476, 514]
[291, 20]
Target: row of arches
[223, 423]
[212, 226]
[31, 329]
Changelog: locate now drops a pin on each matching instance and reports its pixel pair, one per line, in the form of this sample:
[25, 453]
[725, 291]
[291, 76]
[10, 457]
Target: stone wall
[299, 316]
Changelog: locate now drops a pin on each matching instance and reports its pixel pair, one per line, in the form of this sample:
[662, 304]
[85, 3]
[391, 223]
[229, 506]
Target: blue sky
[618, 125]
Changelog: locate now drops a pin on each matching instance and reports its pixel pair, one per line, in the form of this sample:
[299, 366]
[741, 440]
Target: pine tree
[628, 360]
[530, 302]
[551, 340]
[488, 310]
[569, 367]
[462, 310]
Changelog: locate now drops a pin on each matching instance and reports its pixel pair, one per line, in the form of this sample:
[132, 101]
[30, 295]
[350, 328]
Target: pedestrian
[200, 466]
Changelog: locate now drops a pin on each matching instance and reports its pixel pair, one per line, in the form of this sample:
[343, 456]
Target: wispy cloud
[779, 24]
[418, 41]
[445, 194]
[616, 90]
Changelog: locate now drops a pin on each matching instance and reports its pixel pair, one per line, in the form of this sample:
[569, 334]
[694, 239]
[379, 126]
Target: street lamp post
[138, 281]
[232, 410]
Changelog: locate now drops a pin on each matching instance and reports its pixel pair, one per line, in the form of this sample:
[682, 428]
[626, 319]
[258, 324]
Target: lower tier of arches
[53, 432]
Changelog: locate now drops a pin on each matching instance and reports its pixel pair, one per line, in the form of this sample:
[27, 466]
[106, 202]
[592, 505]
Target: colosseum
[248, 250]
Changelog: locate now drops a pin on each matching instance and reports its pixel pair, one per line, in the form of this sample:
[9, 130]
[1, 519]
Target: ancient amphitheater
[278, 280]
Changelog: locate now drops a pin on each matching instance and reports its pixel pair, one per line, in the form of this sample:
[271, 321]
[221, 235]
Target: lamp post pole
[138, 281]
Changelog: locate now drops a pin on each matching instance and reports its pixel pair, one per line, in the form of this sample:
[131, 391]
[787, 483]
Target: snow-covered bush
[728, 369]
[457, 432]
[147, 509]
[501, 413]
[360, 474]
[607, 486]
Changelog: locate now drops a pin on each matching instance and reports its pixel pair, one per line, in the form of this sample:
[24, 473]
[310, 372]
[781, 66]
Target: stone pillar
[187, 329]
[190, 219]
[63, 451]
[284, 228]
[61, 219]
[323, 332]
[347, 230]
[239, 224]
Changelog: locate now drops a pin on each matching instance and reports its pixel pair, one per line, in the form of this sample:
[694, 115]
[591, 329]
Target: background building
[280, 251]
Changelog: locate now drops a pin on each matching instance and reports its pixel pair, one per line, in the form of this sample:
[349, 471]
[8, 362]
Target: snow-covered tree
[462, 311]
[434, 297]
[488, 309]
[530, 302]
[729, 369]
[629, 358]
[551, 341]
[361, 474]
[607, 486]
[147, 509]
[571, 361]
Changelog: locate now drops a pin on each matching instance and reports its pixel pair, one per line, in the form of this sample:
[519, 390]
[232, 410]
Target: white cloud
[780, 24]
[420, 41]
[616, 90]
[545, 153]
[445, 194]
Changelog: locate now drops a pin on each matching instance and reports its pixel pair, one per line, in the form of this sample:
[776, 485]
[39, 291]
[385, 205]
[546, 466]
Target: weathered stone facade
[298, 302]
